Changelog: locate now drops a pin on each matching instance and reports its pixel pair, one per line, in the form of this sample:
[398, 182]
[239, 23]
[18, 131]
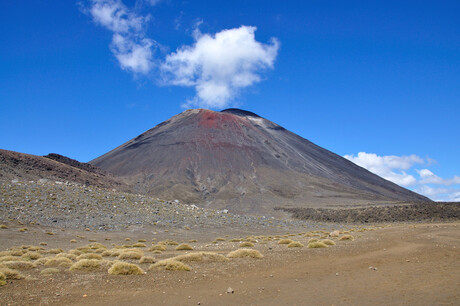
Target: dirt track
[416, 265]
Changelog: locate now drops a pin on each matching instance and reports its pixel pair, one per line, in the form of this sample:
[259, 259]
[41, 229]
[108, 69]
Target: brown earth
[415, 264]
[54, 167]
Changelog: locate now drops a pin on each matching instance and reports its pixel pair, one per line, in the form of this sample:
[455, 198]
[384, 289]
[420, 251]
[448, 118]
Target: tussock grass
[66, 255]
[147, 259]
[295, 244]
[347, 237]
[20, 265]
[189, 257]
[89, 256]
[235, 240]
[59, 261]
[75, 252]
[193, 240]
[328, 242]
[22, 230]
[158, 247]
[2, 279]
[50, 233]
[34, 248]
[171, 265]
[86, 265]
[130, 255]
[139, 245]
[96, 245]
[220, 239]
[141, 240]
[3, 226]
[171, 242]
[8, 258]
[157, 252]
[316, 245]
[10, 273]
[55, 251]
[124, 268]
[31, 256]
[245, 253]
[312, 240]
[49, 271]
[184, 247]
[246, 244]
[285, 241]
[43, 243]
[112, 252]
[73, 241]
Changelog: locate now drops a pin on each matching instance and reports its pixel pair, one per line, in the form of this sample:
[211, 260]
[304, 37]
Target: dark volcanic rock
[238, 160]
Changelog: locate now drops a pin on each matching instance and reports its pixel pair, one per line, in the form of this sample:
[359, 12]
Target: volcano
[237, 160]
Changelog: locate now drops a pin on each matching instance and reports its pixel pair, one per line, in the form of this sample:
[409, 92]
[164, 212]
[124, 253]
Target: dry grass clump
[139, 245]
[316, 245]
[89, 256]
[157, 252]
[158, 247]
[220, 239]
[55, 251]
[43, 243]
[112, 252]
[147, 259]
[328, 242]
[193, 240]
[96, 245]
[285, 241]
[31, 256]
[246, 244]
[189, 257]
[184, 247]
[312, 240]
[8, 258]
[10, 273]
[73, 241]
[347, 237]
[66, 255]
[171, 265]
[59, 261]
[235, 240]
[171, 242]
[49, 271]
[3, 226]
[75, 252]
[20, 265]
[245, 253]
[50, 233]
[295, 244]
[141, 240]
[211, 256]
[2, 279]
[24, 229]
[124, 268]
[130, 255]
[86, 265]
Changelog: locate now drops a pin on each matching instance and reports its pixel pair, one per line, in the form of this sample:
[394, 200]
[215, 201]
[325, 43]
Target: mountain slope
[238, 160]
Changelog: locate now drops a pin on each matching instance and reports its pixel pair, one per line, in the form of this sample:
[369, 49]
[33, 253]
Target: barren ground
[416, 264]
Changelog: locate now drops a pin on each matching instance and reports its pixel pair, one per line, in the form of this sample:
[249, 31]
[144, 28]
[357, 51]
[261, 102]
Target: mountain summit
[238, 160]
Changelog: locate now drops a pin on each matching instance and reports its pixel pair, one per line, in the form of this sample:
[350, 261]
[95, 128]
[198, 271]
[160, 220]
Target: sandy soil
[415, 265]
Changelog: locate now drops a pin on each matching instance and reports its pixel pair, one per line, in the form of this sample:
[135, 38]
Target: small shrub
[245, 253]
[49, 271]
[147, 259]
[316, 245]
[328, 242]
[124, 268]
[86, 265]
[184, 247]
[285, 241]
[171, 265]
[295, 244]
[246, 244]
[347, 237]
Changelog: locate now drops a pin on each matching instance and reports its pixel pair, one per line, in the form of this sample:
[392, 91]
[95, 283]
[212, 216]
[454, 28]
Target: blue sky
[377, 77]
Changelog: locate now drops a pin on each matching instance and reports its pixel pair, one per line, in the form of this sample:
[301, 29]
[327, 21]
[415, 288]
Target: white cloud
[220, 65]
[397, 169]
[389, 167]
[129, 44]
[428, 177]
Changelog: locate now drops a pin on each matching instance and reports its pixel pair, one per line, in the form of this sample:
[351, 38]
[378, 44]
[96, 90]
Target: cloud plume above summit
[218, 66]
